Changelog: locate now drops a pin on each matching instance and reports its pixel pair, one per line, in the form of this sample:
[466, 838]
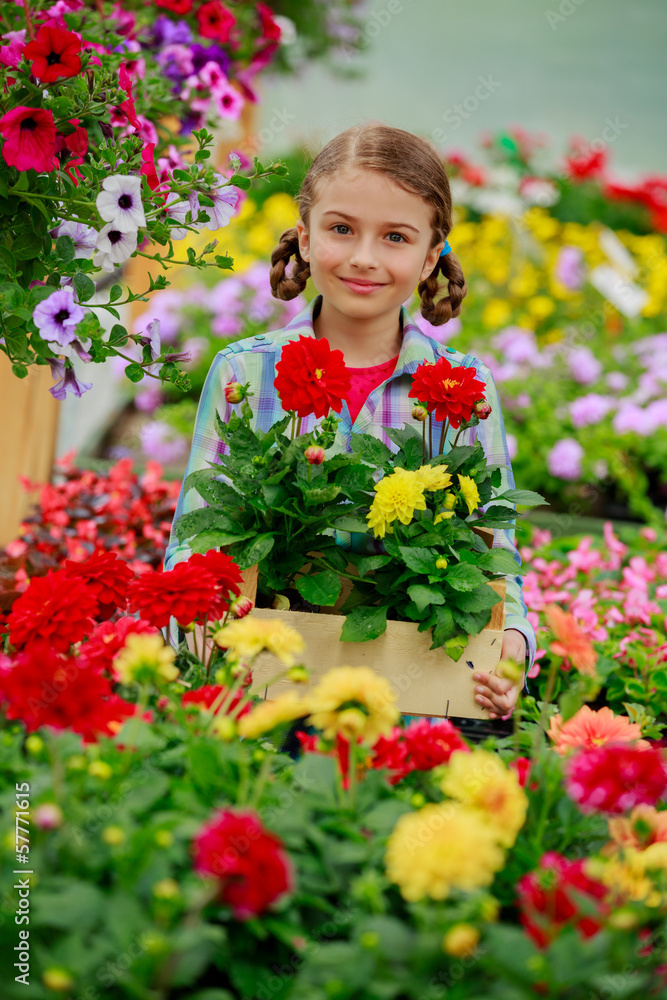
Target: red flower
[209, 693]
[227, 576]
[77, 144]
[451, 391]
[54, 53]
[311, 377]
[584, 162]
[550, 898]
[109, 638]
[127, 106]
[249, 862]
[148, 166]
[107, 578]
[30, 139]
[188, 592]
[270, 29]
[616, 777]
[522, 766]
[310, 742]
[43, 688]
[56, 609]
[176, 6]
[420, 747]
[215, 21]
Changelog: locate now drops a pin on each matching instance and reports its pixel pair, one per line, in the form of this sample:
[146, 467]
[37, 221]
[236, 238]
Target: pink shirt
[364, 380]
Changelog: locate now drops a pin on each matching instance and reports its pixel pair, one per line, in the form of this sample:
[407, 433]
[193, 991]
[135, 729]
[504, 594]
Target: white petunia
[114, 247]
[120, 203]
[225, 203]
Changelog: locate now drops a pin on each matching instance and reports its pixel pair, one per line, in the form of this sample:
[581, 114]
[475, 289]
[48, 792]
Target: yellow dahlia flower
[460, 940]
[442, 847]
[481, 781]
[246, 637]
[144, 659]
[398, 496]
[434, 477]
[268, 714]
[469, 492]
[355, 702]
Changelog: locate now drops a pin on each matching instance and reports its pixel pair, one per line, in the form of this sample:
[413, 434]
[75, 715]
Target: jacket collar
[416, 346]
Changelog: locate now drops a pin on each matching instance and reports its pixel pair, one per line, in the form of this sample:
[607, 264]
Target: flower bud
[241, 606]
[164, 838]
[57, 979]
[623, 920]
[351, 722]
[224, 728]
[48, 816]
[460, 940]
[482, 409]
[235, 392]
[314, 454]
[298, 674]
[100, 769]
[166, 888]
[419, 412]
[113, 835]
[509, 670]
[441, 563]
[280, 603]
[34, 743]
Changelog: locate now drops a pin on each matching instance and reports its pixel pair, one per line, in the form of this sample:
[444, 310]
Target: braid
[284, 286]
[449, 306]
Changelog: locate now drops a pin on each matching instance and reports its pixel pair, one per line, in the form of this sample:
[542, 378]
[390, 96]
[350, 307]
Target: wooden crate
[427, 682]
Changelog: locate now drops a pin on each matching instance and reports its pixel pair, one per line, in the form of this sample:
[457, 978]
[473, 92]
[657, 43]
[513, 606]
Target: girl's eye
[401, 237]
[340, 225]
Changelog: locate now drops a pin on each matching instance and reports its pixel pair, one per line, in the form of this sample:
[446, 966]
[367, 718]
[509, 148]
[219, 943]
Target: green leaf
[115, 293]
[364, 623]
[194, 522]
[66, 903]
[527, 498]
[256, 551]
[464, 577]
[11, 295]
[85, 289]
[455, 646]
[421, 560]
[321, 588]
[424, 596]
[498, 561]
[226, 263]
[117, 336]
[215, 492]
[65, 249]
[319, 494]
[26, 246]
[444, 626]
[405, 434]
[348, 523]
[19, 370]
[134, 372]
[472, 622]
[480, 599]
[215, 538]
[366, 564]
[373, 451]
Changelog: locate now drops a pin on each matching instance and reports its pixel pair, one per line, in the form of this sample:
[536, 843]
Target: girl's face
[368, 243]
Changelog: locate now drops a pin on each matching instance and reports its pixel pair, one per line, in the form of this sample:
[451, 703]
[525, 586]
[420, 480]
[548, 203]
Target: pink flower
[615, 546]
[583, 557]
[564, 459]
[590, 409]
[11, 55]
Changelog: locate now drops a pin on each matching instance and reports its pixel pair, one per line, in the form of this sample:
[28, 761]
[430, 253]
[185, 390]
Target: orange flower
[588, 729]
[571, 641]
[643, 827]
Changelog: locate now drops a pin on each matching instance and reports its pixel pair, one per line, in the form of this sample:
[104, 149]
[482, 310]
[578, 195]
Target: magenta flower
[564, 459]
[590, 409]
[569, 267]
[57, 317]
[584, 366]
[69, 383]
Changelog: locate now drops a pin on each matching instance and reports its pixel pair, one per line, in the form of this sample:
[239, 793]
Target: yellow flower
[57, 979]
[469, 492]
[443, 515]
[460, 940]
[434, 477]
[625, 878]
[496, 313]
[100, 769]
[481, 781]
[269, 714]
[540, 306]
[442, 847]
[113, 835]
[398, 496]
[246, 637]
[357, 689]
[166, 888]
[144, 659]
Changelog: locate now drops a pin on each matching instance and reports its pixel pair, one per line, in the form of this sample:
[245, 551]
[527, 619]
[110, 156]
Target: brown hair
[413, 164]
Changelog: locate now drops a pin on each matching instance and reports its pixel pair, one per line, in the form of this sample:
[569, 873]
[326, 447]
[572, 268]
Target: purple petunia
[69, 383]
[168, 32]
[57, 317]
[210, 53]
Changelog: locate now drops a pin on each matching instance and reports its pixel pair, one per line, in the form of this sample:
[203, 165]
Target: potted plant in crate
[284, 505]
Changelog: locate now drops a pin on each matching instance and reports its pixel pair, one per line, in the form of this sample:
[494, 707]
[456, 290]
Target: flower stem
[430, 435]
[443, 435]
[28, 19]
[423, 441]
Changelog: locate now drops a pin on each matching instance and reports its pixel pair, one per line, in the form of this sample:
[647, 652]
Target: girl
[375, 212]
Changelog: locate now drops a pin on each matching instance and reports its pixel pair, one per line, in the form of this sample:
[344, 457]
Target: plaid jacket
[254, 360]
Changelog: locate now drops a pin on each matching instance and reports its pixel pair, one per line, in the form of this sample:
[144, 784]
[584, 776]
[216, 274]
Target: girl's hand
[496, 693]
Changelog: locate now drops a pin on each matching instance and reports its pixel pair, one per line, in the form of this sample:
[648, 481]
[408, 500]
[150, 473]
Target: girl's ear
[431, 260]
[304, 240]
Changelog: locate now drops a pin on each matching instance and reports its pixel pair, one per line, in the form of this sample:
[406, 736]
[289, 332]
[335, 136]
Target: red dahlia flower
[54, 53]
[249, 862]
[109, 638]
[215, 21]
[559, 893]
[43, 688]
[56, 609]
[228, 578]
[208, 693]
[451, 391]
[188, 592]
[311, 377]
[107, 577]
[30, 139]
[420, 747]
[616, 777]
